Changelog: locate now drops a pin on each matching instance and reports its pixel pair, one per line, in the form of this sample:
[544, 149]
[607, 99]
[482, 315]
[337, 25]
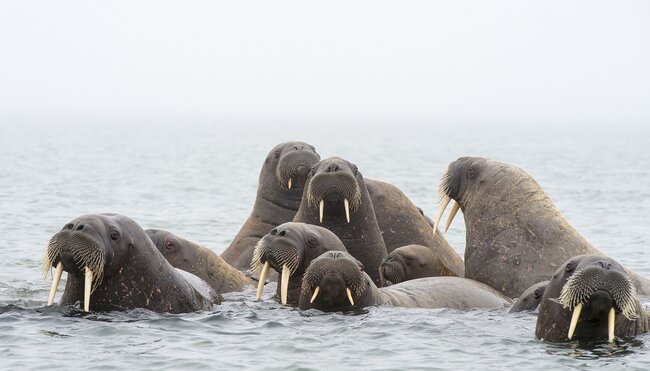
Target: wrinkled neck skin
[540, 232]
[275, 204]
[361, 237]
[146, 280]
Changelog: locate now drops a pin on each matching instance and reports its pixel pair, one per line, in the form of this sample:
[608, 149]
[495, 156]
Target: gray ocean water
[198, 179]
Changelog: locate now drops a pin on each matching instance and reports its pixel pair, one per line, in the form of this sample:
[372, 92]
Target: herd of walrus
[336, 241]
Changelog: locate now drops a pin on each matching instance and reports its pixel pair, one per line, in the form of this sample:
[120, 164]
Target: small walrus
[515, 235]
[336, 281]
[279, 193]
[289, 249]
[113, 265]
[410, 262]
[590, 297]
[200, 261]
[530, 299]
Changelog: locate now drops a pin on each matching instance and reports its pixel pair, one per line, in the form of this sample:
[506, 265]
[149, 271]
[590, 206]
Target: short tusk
[347, 291]
[313, 297]
[88, 285]
[286, 272]
[452, 214]
[55, 283]
[289, 185]
[611, 324]
[260, 285]
[574, 320]
[346, 203]
[321, 207]
[441, 209]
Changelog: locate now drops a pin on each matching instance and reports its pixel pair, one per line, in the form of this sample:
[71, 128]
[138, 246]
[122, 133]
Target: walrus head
[530, 299]
[335, 281]
[290, 163]
[334, 188]
[171, 247]
[288, 249]
[590, 297]
[407, 263]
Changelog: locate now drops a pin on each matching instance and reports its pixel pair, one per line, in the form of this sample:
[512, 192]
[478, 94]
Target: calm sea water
[199, 181]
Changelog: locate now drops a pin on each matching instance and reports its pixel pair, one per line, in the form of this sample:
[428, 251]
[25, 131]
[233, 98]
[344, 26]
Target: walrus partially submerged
[336, 281]
[515, 235]
[113, 265]
[411, 262]
[279, 193]
[200, 261]
[590, 297]
[530, 299]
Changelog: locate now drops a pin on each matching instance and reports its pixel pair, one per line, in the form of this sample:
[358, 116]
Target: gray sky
[437, 61]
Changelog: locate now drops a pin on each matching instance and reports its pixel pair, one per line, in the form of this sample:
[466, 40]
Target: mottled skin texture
[431, 292]
[361, 236]
[402, 223]
[200, 261]
[135, 274]
[530, 299]
[275, 202]
[515, 235]
[410, 262]
[308, 241]
[553, 320]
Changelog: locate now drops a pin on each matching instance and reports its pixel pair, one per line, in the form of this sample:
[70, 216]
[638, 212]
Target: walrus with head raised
[113, 265]
[410, 262]
[200, 261]
[530, 299]
[515, 235]
[336, 281]
[590, 297]
[279, 193]
[289, 249]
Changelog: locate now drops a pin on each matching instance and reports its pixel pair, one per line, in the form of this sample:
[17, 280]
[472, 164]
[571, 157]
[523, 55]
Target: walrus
[530, 299]
[515, 235]
[200, 261]
[279, 193]
[336, 281]
[590, 297]
[336, 198]
[410, 262]
[113, 265]
[289, 249]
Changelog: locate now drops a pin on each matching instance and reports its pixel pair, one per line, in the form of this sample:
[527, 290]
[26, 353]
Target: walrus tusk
[88, 285]
[321, 207]
[347, 291]
[313, 297]
[574, 320]
[286, 272]
[289, 183]
[55, 283]
[346, 203]
[263, 275]
[452, 214]
[441, 209]
[611, 323]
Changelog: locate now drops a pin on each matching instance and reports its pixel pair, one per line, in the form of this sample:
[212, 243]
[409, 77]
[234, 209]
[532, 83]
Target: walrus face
[406, 263]
[334, 188]
[88, 248]
[334, 281]
[589, 297]
[172, 248]
[292, 162]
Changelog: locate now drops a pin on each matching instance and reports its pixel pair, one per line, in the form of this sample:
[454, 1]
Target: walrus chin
[75, 254]
[594, 285]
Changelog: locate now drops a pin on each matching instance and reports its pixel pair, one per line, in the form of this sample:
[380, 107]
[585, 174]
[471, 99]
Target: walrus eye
[355, 170]
[536, 294]
[471, 173]
[169, 245]
[409, 260]
[276, 154]
[115, 235]
[312, 241]
[569, 268]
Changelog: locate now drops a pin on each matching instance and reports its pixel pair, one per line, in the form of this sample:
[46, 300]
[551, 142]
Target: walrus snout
[334, 189]
[294, 164]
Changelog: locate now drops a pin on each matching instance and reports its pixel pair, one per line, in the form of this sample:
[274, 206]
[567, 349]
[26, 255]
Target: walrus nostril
[80, 227]
[274, 231]
[69, 226]
[282, 233]
[333, 168]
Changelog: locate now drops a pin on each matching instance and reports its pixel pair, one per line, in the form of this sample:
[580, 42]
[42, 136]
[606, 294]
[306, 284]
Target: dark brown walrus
[515, 235]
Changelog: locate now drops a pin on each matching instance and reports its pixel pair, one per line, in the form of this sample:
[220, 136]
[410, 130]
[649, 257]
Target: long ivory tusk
[611, 323]
[574, 320]
[313, 297]
[346, 203]
[260, 285]
[321, 207]
[452, 214]
[286, 272]
[88, 285]
[289, 183]
[55, 283]
[441, 209]
[347, 291]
